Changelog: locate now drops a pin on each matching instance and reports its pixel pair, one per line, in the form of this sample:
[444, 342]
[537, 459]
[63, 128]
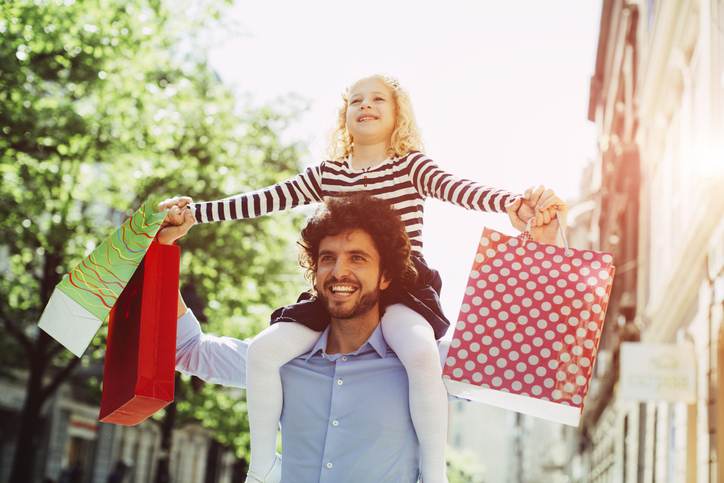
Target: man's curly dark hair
[372, 215]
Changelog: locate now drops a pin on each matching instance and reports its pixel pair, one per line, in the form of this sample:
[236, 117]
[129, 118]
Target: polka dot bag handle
[525, 235]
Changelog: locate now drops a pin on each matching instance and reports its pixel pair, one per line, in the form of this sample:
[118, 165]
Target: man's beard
[364, 304]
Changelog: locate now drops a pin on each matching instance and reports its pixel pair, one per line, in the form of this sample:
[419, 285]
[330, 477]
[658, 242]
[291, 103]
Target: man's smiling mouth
[342, 289]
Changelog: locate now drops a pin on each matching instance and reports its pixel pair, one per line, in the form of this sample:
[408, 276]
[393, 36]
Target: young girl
[375, 149]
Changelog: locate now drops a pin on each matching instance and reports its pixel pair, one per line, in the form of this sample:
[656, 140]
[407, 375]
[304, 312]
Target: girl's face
[371, 112]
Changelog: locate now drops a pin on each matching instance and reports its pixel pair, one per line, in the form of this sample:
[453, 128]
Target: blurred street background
[616, 105]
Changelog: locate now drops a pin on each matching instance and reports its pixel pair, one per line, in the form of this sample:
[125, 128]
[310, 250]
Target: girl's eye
[379, 99]
[356, 101]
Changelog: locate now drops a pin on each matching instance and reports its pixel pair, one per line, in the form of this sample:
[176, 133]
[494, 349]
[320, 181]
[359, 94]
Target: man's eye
[358, 258]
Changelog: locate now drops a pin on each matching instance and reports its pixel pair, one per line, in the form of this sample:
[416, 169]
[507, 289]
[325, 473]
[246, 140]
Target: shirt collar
[376, 341]
[348, 163]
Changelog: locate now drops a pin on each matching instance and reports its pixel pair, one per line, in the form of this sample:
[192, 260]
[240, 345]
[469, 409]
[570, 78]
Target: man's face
[348, 277]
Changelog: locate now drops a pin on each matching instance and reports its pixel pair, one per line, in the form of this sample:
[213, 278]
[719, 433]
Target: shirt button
[335, 423]
[344, 358]
[329, 465]
[340, 382]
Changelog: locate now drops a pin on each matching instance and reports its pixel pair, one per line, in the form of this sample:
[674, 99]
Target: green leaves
[104, 104]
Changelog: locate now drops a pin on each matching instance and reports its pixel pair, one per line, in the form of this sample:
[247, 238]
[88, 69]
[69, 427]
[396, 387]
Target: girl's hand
[546, 203]
[520, 212]
[180, 201]
[537, 204]
[514, 213]
[174, 217]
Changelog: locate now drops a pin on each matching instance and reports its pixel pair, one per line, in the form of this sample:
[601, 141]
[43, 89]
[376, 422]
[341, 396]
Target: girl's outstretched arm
[303, 189]
[431, 181]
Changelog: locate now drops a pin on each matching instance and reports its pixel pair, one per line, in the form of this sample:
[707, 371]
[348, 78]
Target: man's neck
[348, 335]
[369, 155]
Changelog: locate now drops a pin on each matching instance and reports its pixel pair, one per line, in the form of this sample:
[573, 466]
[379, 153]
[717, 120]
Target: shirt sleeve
[218, 360]
[431, 181]
[303, 189]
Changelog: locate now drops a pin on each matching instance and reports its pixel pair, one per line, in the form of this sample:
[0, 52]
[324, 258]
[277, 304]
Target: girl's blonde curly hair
[405, 137]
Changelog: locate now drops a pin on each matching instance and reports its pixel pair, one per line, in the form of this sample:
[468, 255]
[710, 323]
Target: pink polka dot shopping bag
[529, 327]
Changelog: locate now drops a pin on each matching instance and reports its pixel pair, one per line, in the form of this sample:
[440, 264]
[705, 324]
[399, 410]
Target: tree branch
[16, 332]
[56, 349]
[59, 378]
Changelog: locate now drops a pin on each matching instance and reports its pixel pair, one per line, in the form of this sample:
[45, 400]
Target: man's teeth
[342, 289]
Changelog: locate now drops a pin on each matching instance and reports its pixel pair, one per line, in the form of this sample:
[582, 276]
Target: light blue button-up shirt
[346, 417]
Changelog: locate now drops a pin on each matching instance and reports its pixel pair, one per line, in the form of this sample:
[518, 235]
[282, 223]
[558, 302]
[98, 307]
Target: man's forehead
[349, 240]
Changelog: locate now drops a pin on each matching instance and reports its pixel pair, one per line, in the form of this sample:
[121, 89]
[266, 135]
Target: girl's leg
[413, 340]
[268, 351]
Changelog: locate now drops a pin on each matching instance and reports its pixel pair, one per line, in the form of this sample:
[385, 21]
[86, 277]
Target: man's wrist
[164, 238]
[547, 238]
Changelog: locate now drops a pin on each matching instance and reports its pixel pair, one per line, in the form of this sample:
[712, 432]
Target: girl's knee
[279, 344]
[260, 353]
[423, 360]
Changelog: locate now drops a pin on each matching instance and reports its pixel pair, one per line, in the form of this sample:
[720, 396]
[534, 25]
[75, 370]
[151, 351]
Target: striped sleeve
[431, 181]
[303, 189]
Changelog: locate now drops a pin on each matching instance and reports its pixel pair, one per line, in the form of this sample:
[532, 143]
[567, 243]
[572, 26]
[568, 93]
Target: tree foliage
[103, 104]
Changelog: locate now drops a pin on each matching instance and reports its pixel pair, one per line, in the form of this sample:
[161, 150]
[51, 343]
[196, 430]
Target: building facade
[74, 440]
[656, 99]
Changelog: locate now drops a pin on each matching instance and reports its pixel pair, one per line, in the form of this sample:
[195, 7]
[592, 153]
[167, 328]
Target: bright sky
[500, 91]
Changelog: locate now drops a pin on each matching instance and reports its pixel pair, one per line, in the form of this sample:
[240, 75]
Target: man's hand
[174, 217]
[172, 232]
[548, 233]
[538, 205]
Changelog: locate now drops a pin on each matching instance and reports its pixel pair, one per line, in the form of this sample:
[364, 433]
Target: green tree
[463, 467]
[101, 106]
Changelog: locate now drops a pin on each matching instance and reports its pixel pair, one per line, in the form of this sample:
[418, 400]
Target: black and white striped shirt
[405, 182]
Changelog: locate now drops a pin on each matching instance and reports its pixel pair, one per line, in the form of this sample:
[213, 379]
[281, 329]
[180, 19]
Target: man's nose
[341, 269]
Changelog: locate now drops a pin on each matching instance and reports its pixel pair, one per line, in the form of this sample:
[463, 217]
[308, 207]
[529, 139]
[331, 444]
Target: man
[345, 413]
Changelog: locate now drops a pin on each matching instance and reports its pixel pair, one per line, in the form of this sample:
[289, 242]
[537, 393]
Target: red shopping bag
[138, 375]
[529, 327]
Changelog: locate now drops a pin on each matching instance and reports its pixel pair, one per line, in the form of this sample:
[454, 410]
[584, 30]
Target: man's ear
[384, 281]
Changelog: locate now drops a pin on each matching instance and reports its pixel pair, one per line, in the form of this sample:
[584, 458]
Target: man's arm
[220, 360]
